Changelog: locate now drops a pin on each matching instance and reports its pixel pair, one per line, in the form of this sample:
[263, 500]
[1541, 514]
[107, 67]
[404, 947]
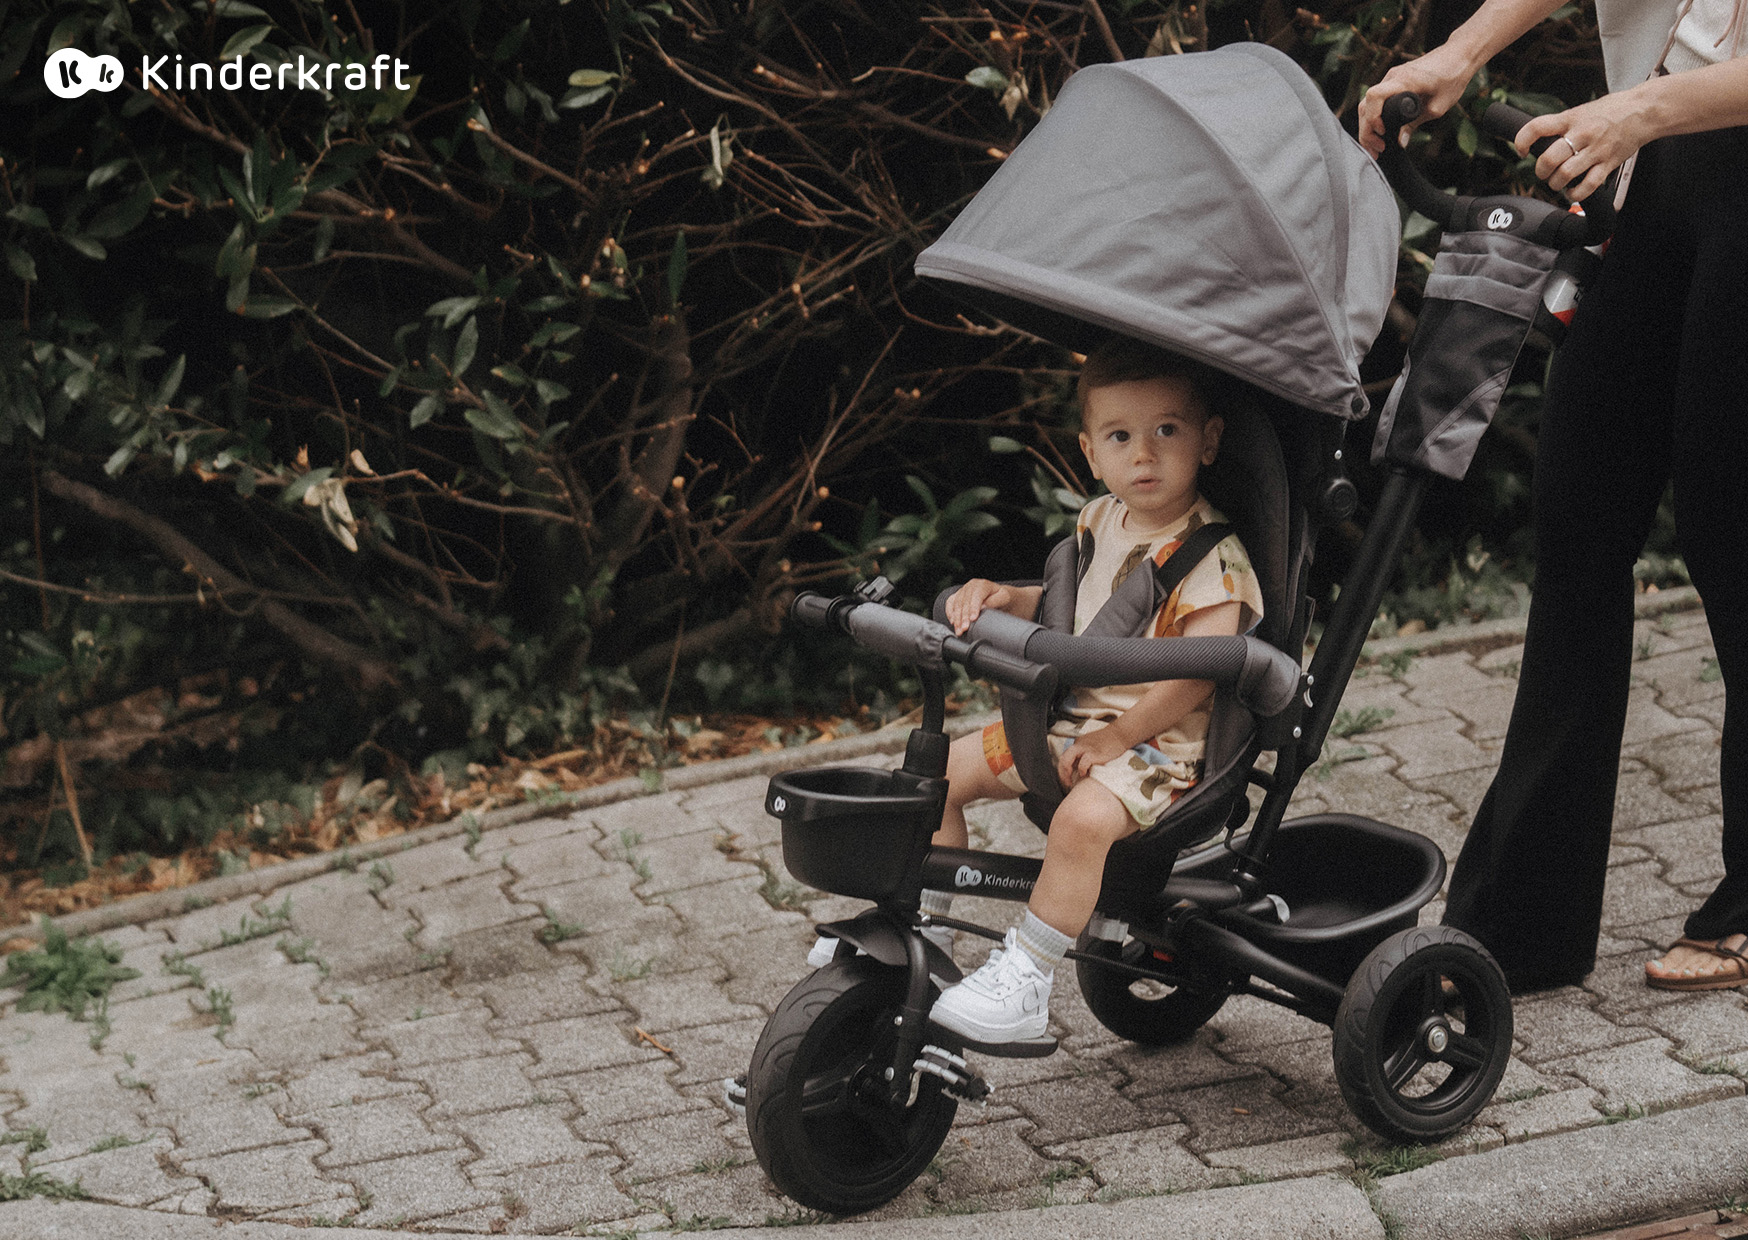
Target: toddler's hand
[970, 600]
[1093, 749]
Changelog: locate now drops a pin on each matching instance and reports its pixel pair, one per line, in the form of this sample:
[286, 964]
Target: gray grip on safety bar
[898, 633]
[1264, 679]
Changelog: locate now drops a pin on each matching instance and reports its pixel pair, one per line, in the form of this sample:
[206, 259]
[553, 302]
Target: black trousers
[1650, 386]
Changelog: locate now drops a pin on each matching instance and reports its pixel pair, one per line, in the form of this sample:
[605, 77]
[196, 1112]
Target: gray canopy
[1209, 203]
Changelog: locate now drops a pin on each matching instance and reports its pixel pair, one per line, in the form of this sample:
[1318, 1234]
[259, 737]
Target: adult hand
[1590, 142]
[1093, 749]
[1437, 77]
[970, 599]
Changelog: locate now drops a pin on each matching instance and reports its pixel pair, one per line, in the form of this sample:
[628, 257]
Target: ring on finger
[1569, 146]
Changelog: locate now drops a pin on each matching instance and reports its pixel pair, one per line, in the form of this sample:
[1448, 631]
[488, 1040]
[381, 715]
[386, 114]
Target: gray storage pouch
[1480, 301]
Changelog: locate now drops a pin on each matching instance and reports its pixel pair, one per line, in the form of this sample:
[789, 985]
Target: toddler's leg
[1089, 820]
[968, 779]
[1007, 1001]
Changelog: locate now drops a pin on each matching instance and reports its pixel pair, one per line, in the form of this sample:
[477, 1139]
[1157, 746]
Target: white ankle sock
[937, 903]
[1042, 942]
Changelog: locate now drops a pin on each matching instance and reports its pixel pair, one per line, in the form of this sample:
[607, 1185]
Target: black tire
[1403, 1077]
[1146, 1012]
[816, 1107]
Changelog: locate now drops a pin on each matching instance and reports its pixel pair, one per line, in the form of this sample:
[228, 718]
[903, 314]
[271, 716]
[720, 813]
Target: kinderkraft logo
[69, 73]
[966, 876]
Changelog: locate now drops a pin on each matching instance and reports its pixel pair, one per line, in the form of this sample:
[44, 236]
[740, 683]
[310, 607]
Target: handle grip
[1404, 174]
[1504, 122]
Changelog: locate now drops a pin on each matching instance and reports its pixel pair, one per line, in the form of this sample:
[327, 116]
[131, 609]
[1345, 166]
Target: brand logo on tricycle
[778, 805]
[1501, 218]
[967, 877]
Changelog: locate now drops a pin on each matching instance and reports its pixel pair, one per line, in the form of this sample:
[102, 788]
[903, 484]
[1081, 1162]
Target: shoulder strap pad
[1131, 608]
[1062, 574]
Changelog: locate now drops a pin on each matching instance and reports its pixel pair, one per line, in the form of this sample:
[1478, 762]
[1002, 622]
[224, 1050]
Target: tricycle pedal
[961, 1082]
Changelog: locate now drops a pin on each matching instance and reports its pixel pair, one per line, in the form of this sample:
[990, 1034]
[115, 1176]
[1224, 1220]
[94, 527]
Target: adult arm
[1606, 131]
[1440, 76]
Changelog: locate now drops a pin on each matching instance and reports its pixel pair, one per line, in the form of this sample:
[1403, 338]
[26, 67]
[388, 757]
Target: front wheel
[1423, 1034]
[1139, 1009]
[818, 1109]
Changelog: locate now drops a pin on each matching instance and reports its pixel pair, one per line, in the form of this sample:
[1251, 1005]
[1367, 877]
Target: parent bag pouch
[1481, 300]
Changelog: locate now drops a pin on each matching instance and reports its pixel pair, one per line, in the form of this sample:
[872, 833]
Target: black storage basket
[854, 830]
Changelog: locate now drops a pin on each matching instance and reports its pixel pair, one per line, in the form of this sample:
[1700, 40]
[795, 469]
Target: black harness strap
[1028, 721]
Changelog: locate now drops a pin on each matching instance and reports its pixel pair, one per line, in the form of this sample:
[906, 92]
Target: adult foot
[1701, 964]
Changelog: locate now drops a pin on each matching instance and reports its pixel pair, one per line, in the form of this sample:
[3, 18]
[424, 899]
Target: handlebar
[1503, 121]
[1540, 221]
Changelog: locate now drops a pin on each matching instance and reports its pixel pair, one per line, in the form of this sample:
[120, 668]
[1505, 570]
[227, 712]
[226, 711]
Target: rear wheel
[817, 1106]
[1138, 1009]
[1423, 1034]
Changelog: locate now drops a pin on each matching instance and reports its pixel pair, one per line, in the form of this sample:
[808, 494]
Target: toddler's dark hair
[1123, 359]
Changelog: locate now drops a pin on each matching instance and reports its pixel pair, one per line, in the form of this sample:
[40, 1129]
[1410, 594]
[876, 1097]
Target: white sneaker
[825, 947]
[1005, 1001]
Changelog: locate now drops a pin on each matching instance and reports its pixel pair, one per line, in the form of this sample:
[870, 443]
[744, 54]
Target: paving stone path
[525, 1030]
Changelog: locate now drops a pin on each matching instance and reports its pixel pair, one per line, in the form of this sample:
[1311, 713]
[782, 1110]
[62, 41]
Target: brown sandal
[1736, 976]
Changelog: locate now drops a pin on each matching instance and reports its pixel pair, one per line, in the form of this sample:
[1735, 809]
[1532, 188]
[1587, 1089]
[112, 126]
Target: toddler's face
[1147, 439]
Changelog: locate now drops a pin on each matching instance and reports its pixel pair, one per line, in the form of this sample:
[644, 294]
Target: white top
[1635, 32]
[1704, 36]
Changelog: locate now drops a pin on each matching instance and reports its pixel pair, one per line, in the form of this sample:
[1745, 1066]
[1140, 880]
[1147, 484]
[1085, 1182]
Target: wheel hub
[1438, 1038]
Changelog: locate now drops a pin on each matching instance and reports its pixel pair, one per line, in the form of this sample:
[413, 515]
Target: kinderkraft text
[314, 75]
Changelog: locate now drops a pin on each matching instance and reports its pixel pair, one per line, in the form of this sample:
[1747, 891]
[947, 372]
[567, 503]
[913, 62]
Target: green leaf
[583, 96]
[26, 214]
[1001, 445]
[120, 218]
[22, 264]
[512, 374]
[88, 246]
[324, 237]
[267, 307]
[452, 309]
[232, 8]
[67, 33]
[511, 43]
[28, 406]
[424, 411]
[988, 77]
[172, 381]
[304, 482]
[495, 419]
[552, 333]
[592, 77]
[677, 268]
[550, 391]
[1468, 137]
[244, 41]
[105, 173]
[466, 345]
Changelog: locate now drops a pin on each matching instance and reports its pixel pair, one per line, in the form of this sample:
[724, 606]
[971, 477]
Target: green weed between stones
[36, 1184]
[300, 951]
[249, 929]
[116, 1142]
[557, 931]
[65, 975]
[1353, 723]
[218, 1004]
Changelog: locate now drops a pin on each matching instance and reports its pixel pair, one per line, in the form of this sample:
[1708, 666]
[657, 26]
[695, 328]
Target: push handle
[1404, 174]
[1503, 121]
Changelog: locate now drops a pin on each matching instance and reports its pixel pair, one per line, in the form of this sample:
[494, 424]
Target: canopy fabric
[1208, 203]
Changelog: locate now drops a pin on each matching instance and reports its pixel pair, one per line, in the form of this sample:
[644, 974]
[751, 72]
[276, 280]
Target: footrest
[1032, 1049]
[961, 1082]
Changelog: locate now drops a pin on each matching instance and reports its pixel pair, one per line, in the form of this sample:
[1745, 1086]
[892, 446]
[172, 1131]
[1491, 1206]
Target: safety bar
[1028, 657]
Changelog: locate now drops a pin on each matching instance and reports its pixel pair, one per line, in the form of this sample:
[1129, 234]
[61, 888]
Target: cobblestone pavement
[524, 1030]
